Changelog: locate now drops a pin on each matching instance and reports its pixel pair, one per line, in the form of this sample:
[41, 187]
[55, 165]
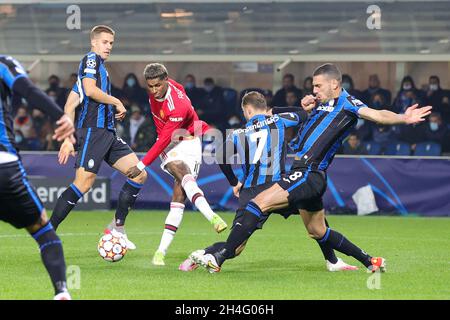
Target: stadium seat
[398, 149]
[428, 149]
[372, 147]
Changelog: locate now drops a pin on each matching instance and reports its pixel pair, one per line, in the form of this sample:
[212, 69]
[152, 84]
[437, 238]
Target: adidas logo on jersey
[325, 108]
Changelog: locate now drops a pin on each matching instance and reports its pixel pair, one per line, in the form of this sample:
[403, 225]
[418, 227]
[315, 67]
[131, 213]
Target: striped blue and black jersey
[322, 135]
[262, 148]
[10, 71]
[14, 80]
[94, 114]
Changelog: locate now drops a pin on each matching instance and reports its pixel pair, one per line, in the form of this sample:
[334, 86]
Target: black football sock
[52, 256]
[241, 231]
[340, 243]
[214, 247]
[65, 204]
[327, 250]
[127, 198]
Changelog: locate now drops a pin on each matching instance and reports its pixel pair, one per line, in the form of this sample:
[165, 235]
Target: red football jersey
[173, 112]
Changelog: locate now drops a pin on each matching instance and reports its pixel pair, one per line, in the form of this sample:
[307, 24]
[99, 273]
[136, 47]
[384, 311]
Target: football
[112, 247]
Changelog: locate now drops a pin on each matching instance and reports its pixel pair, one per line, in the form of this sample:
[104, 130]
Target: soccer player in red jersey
[179, 147]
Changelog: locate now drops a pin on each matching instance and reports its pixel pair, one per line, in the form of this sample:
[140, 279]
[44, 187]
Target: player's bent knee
[42, 221]
[316, 232]
[141, 178]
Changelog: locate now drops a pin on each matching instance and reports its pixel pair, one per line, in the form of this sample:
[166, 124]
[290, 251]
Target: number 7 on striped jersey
[260, 138]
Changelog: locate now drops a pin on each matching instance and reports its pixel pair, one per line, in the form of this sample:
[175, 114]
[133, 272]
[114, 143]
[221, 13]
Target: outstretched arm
[412, 115]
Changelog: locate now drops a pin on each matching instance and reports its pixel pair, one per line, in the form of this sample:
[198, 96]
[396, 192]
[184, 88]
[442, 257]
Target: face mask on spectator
[18, 138]
[433, 87]
[189, 85]
[407, 86]
[131, 82]
[53, 98]
[346, 85]
[434, 126]
[209, 87]
[233, 121]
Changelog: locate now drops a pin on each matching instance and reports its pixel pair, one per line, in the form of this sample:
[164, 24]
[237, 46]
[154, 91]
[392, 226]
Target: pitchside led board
[49, 190]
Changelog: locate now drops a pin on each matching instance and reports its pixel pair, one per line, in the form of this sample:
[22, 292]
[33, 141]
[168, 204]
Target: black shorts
[95, 145]
[19, 203]
[248, 194]
[305, 188]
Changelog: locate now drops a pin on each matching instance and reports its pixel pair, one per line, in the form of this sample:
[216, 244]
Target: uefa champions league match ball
[112, 247]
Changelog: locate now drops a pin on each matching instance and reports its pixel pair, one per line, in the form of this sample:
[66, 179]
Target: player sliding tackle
[335, 113]
[180, 150]
[262, 147]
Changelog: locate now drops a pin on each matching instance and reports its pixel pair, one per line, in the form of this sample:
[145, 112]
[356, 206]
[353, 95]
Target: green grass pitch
[280, 262]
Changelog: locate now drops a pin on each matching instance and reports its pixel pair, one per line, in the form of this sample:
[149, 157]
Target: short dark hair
[255, 99]
[208, 80]
[289, 75]
[330, 70]
[95, 31]
[435, 78]
[155, 70]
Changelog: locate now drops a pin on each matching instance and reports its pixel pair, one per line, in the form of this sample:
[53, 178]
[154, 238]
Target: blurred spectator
[268, 95]
[46, 140]
[307, 86]
[24, 123]
[279, 99]
[20, 141]
[383, 135]
[363, 130]
[407, 95]
[39, 120]
[374, 89]
[234, 122]
[195, 94]
[434, 95]
[435, 130]
[291, 99]
[353, 146]
[145, 136]
[59, 92]
[411, 134]
[378, 102]
[133, 91]
[116, 92]
[347, 84]
[445, 107]
[213, 108]
[71, 81]
[131, 127]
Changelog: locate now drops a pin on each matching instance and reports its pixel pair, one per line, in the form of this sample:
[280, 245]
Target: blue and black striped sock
[340, 243]
[52, 256]
[65, 204]
[241, 231]
[127, 198]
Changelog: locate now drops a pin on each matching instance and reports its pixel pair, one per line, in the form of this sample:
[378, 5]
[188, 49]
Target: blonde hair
[95, 31]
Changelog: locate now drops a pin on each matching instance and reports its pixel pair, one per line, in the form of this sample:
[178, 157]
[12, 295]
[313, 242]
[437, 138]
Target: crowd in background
[220, 107]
